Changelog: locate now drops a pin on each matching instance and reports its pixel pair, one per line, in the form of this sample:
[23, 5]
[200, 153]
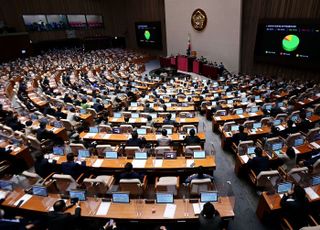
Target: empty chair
[266, 121]
[67, 124]
[134, 186]
[243, 146]
[299, 175]
[291, 139]
[126, 128]
[35, 143]
[148, 128]
[92, 112]
[189, 149]
[313, 134]
[167, 184]
[76, 147]
[248, 124]
[105, 129]
[160, 150]
[270, 141]
[101, 149]
[227, 126]
[282, 117]
[98, 186]
[200, 185]
[316, 167]
[220, 113]
[129, 151]
[64, 183]
[265, 180]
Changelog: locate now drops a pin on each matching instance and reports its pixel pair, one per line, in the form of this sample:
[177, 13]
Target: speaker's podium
[185, 63]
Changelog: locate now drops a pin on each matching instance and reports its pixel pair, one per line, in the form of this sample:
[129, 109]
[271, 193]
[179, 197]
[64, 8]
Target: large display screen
[289, 43]
[94, 21]
[149, 34]
[57, 22]
[77, 21]
[35, 22]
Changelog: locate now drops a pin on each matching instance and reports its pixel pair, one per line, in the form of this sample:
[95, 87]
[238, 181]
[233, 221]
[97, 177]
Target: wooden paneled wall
[252, 11]
[119, 16]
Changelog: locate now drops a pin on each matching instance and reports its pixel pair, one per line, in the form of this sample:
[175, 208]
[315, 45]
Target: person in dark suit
[13, 224]
[72, 168]
[147, 108]
[41, 165]
[59, 114]
[67, 98]
[59, 220]
[98, 106]
[168, 121]
[258, 163]
[173, 99]
[209, 218]
[44, 134]
[129, 173]
[295, 207]
[192, 139]
[240, 136]
[290, 129]
[135, 140]
[304, 125]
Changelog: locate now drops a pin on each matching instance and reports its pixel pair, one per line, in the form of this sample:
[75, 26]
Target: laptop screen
[250, 150]
[257, 125]
[83, 153]
[134, 115]
[142, 131]
[315, 180]
[170, 155]
[254, 109]
[294, 118]
[276, 122]
[164, 198]
[257, 97]
[111, 155]
[298, 141]
[229, 102]
[308, 114]
[169, 131]
[83, 111]
[39, 190]
[199, 154]
[153, 115]
[57, 150]
[120, 197]
[6, 185]
[117, 115]
[141, 155]
[134, 104]
[276, 146]
[208, 197]
[239, 111]
[284, 187]
[234, 127]
[93, 129]
[80, 194]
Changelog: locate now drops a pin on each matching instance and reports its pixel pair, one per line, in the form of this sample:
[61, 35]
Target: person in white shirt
[252, 103]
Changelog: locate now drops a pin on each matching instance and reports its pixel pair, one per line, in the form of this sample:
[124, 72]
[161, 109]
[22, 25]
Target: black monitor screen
[80, 194]
[149, 34]
[39, 191]
[295, 43]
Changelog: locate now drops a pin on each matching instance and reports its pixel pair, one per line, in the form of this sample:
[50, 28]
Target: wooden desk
[158, 121]
[20, 152]
[306, 102]
[136, 210]
[160, 109]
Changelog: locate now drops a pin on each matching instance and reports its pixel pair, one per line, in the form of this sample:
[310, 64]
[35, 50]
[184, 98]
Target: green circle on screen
[290, 42]
[147, 34]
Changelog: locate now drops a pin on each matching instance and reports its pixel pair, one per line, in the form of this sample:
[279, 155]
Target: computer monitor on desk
[58, 150]
[111, 155]
[79, 194]
[121, 197]
[6, 185]
[170, 155]
[134, 115]
[39, 190]
[199, 154]
[298, 142]
[117, 115]
[257, 125]
[164, 198]
[141, 155]
[142, 131]
[83, 153]
[93, 129]
[315, 180]
[234, 128]
[277, 122]
[209, 196]
[284, 187]
[250, 150]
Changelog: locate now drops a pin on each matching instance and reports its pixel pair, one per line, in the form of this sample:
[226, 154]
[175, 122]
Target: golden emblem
[199, 20]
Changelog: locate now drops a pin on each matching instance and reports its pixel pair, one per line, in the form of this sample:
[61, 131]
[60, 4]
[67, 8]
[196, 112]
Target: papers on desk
[197, 208]
[139, 163]
[314, 144]
[17, 149]
[253, 131]
[296, 150]
[23, 199]
[169, 211]
[241, 116]
[103, 208]
[90, 135]
[106, 136]
[97, 163]
[245, 158]
[311, 193]
[252, 114]
[158, 163]
[181, 137]
[281, 127]
[132, 120]
[217, 118]
[189, 163]
[182, 120]
[114, 119]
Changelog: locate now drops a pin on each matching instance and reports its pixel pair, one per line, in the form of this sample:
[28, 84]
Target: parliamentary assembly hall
[160, 114]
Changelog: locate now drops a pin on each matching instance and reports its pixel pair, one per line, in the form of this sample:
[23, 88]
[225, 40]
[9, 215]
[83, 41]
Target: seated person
[173, 99]
[252, 103]
[58, 219]
[72, 168]
[148, 109]
[304, 125]
[149, 121]
[289, 159]
[168, 121]
[59, 114]
[67, 98]
[209, 218]
[290, 129]
[44, 134]
[240, 136]
[135, 140]
[198, 175]
[258, 163]
[129, 173]
[164, 140]
[98, 106]
[295, 207]
[84, 104]
[41, 166]
[192, 139]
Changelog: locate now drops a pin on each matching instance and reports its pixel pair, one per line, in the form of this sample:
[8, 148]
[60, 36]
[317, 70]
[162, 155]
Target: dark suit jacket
[192, 140]
[63, 221]
[237, 137]
[42, 167]
[72, 168]
[258, 164]
[135, 142]
[131, 175]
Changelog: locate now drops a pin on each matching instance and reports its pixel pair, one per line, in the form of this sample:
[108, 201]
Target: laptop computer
[121, 197]
[170, 155]
[164, 198]
[169, 131]
[140, 155]
[234, 128]
[250, 150]
[134, 115]
[58, 150]
[254, 109]
[39, 190]
[284, 187]
[142, 131]
[117, 115]
[80, 194]
[111, 155]
[93, 129]
[298, 142]
[199, 154]
[257, 125]
[209, 196]
[6, 185]
[83, 153]
[134, 104]
[315, 180]
[277, 122]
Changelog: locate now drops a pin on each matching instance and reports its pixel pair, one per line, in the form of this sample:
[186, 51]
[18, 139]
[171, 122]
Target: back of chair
[34, 142]
[129, 151]
[292, 137]
[299, 175]
[160, 150]
[92, 112]
[267, 178]
[64, 182]
[200, 185]
[134, 186]
[243, 146]
[126, 128]
[76, 147]
[105, 128]
[191, 148]
[98, 186]
[313, 134]
[316, 167]
[227, 126]
[101, 149]
[281, 116]
[67, 124]
[248, 124]
[168, 184]
[185, 128]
